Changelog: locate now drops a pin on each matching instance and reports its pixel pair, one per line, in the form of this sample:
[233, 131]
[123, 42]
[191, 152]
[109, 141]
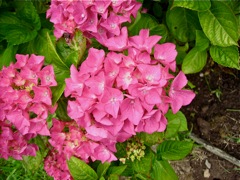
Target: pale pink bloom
[150, 73]
[101, 7]
[47, 77]
[42, 94]
[39, 126]
[96, 134]
[75, 110]
[21, 60]
[79, 13]
[143, 41]
[180, 97]
[113, 22]
[166, 54]
[75, 84]
[19, 121]
[132, 109]
[35, 62]
[103, 154]
[111, 70]
[94, 62]
[153, 121]
[112, 98]
[117, 43]
[29, 75]
[97, 83]
[125, 78]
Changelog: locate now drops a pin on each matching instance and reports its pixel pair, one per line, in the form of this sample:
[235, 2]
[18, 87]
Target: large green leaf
[16, 34]
[7, 17]
[234, 5]
[26, 12]
[146, 21]
[176, 123]
[102, 168]
[163, 170]
[8, 56]
[193, 5]
[202, 42]
[194, 61]
[72, 52]
[173, 150]
[118, 170]
[226, 56]
[151, 139]
[80, 170]
[61, 111]
[45, 45]
[219, 24]
[144, 165]
[182, 23]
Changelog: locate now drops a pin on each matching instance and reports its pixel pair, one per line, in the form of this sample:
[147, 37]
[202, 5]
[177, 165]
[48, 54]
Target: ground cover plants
[89, 87]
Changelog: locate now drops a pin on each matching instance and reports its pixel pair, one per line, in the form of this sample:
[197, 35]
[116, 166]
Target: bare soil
[214, 115]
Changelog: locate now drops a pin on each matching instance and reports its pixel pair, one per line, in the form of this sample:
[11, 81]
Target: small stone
[206, 173]
[208, 164]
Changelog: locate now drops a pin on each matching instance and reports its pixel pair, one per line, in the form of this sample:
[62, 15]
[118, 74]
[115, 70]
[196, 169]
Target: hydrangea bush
[130, 87]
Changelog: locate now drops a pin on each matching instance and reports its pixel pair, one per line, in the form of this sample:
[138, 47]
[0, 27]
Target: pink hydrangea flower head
[98, 19]
[25, 102]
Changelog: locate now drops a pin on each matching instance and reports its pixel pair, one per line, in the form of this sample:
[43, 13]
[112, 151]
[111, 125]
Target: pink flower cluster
[115, 95]
[95, 18]
[68, 139]
[25, 99]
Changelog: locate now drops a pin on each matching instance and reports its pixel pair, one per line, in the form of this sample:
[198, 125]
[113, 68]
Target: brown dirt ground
[214, 115]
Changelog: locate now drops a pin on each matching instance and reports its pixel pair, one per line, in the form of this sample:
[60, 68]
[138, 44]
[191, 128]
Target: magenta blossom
[25, 101]
[114, 96]
[99, 19]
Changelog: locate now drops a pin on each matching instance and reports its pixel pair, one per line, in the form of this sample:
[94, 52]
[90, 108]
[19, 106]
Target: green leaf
[58, 90]
[163, 170]
[45, 45]
[234, 5]
[226, 56]
[193, 5]
[16, 33]
[41, 6]
[80, 170]
[102, 168]
[151, 139]
[26, 11]
[173, 150]
[202, 42]
[32, 163]
[8, 56]
[194, 61]
[72, 52]
[61, 111]
[118, 170]
[113, 177]
[182, 23]
[219, 24]
[146, 21]
[144, 165]
[173, 124]
[176, 123]
[7, 17]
